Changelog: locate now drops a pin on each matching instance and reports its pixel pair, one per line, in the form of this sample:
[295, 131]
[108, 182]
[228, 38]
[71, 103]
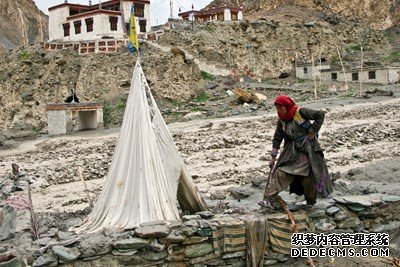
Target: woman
[301, 164]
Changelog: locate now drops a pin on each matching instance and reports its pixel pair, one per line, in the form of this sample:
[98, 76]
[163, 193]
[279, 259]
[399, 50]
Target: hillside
[277, 34]
[31, 77]
[381, 14]
[269, 47]
[21, 23]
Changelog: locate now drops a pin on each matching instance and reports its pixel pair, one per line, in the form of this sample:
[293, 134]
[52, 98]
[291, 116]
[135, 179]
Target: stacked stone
[190, 241]
[158, 243]
[359, 214]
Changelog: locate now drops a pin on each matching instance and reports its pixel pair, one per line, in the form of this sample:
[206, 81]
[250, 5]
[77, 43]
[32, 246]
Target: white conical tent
[147, 176]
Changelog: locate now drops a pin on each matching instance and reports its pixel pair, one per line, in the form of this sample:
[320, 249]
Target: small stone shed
[61, 116]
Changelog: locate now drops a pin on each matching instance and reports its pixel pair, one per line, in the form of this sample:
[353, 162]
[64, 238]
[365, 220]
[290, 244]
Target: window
[114, 23]
[127, 28]
[139, 10]
[354, 76]
[66, 27]
[371, 75]
[89, 24]
[142, 25]
[220, 17]
[77, 25]
[234, 16]
[305, 70]
[334, 76]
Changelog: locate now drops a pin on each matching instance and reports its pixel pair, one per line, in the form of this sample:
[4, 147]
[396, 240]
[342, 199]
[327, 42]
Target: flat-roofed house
[369, 74]
[109, 19]
[221, 13]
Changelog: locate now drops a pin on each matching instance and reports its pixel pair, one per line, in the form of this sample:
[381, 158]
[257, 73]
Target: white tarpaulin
[147, 177]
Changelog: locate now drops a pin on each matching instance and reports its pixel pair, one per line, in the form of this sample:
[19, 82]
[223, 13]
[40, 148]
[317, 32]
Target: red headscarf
[290, 106]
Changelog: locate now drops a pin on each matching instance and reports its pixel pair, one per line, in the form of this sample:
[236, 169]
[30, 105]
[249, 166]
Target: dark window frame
[305, 71]
[234, 16]
[372, 75]
[354, 76]
[334, 75]
[139, 10]
[89, 24]
[142, 25]
[113, 23]
[78, 26]
[66, 28]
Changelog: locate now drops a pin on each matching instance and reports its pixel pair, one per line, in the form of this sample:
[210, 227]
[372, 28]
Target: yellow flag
[133, 40]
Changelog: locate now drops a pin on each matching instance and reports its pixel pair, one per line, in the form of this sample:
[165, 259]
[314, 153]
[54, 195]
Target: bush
[207, 76]
[202, 97]
[394, 56]
[113, 112]
[24, 55]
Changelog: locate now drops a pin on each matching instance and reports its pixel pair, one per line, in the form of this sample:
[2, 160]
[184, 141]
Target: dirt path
[221, 154]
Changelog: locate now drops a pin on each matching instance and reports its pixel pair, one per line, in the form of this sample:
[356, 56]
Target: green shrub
[175, 102]
[113, 111]
[24, 55]
[202, 97]
[107, 113]
[301, 80]
[394, 56]
[207, 76]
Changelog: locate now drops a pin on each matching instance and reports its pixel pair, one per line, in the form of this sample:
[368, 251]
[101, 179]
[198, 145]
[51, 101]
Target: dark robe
[300, 156]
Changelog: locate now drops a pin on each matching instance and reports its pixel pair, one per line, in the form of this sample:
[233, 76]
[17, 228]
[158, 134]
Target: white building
[222, 13]
[306, 72]
[378, 75]
[110, 19]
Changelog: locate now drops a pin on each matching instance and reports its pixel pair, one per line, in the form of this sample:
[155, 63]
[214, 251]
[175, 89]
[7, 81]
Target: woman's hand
[271, 163]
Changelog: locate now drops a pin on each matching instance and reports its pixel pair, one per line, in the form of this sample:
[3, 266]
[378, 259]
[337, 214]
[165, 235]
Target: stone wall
[203, 239]
[88, 47]
[190, 242]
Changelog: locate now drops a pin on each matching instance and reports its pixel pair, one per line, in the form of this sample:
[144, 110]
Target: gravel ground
[227, 157]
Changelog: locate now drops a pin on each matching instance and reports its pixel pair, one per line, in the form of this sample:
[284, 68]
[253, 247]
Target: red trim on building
[96, 6]
[211, 11]
[68, 4]
[94, 12]
[189, 12]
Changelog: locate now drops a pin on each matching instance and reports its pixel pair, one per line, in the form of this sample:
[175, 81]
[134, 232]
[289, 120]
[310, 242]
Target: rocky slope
[270, 47]
[21, 23]
[379, 14]
[31, 77]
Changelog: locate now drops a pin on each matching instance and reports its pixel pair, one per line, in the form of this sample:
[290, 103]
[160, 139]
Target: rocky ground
[228, 160]
[228, 154]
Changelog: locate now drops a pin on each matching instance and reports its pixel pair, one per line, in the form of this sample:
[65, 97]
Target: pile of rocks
[190, 241]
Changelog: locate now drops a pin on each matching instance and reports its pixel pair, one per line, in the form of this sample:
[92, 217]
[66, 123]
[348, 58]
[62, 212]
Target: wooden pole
[292, 220]
[320, 67]
[314, 76]
[86, 188]
[295, 67]
[344, 72]
[360, 78]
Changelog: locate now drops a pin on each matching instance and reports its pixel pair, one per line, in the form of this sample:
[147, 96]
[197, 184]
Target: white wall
[393, 75]
[309, 75]
[227, 14]
[101, 27]
[383, 76]
[191, 17]
[147, 17]
[240, 15]
[57, 18]
[126, 6]
[101, 24]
